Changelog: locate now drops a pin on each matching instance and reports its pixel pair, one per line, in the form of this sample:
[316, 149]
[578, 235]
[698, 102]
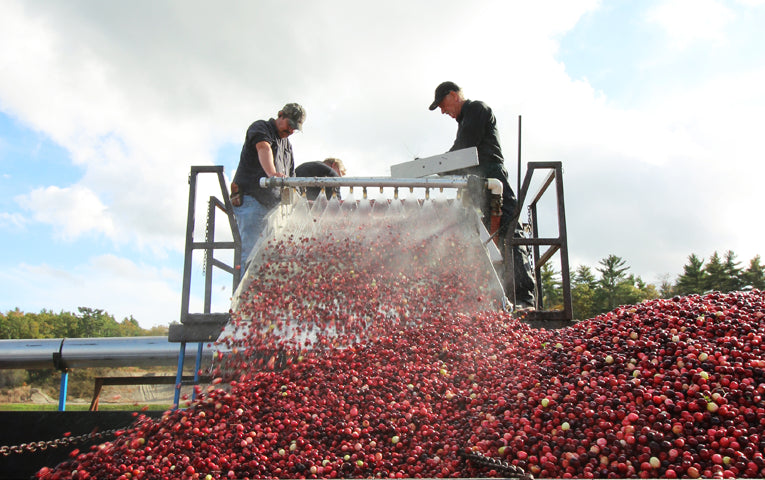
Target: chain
[513, 471]
[210, 208]
[59, 442]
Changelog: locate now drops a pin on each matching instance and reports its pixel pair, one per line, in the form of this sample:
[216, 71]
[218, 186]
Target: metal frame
[205, 326]
[556, 244]
[101, 382]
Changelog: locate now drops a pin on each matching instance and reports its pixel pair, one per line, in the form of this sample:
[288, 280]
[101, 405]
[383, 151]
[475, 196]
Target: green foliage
[583, 288]
[614, 284]
[12, 378]
[86, 323]
[715, 273]
[591, 296]
[723, 275]
[552, 295]
[732, 280]
[693, 279]
[754, 275]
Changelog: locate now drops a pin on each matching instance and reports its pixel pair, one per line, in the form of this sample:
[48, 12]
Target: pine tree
[583, 288]
[552, 294]
[733, 281]
[612, 276]
[693, 279]
[715, 273]
[754, 275]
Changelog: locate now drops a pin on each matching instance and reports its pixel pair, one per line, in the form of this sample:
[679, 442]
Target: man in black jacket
[477, 127]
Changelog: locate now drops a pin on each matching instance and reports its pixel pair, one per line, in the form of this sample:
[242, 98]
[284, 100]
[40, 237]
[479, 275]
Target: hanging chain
[513, 471]
[210, 215]
[59, 442]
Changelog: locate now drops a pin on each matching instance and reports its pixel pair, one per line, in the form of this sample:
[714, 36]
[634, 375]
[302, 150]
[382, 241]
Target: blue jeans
[250, 218]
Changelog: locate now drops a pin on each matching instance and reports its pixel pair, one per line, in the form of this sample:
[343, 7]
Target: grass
[31, 407]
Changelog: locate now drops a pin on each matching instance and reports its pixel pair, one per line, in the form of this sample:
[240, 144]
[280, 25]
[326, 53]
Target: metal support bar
[365, 182]
[548, 254]
[212, 245]
[197, 367]
[101, 382]
[62, 390]
[557, 244]
[179, 376]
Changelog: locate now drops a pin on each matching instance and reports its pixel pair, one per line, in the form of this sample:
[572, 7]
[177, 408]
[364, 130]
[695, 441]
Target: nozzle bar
[441, 182]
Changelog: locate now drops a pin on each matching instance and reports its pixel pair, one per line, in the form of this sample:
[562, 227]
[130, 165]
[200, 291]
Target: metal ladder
[206, 326]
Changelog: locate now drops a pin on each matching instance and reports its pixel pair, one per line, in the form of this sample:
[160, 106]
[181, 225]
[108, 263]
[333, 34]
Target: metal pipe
[197, 367]
[62, 390]
[519, 155]
[67, 353]
[494, 186]
[28, 354]
[179, 376]
[428, 182]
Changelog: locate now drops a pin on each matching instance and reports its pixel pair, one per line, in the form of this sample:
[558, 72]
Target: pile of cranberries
[355, 356]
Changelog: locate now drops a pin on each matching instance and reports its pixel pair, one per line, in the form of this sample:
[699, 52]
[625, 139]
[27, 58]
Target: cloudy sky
[655, 109]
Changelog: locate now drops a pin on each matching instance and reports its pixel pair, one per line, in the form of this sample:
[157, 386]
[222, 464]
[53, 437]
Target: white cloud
[72, 211]
[688, 21]
[118, 285]
[12, 221]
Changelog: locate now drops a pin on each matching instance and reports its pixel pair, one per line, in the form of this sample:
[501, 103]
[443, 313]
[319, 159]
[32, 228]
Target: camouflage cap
[295, 114]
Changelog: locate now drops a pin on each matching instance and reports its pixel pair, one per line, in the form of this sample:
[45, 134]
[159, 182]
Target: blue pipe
[197, 367]
[63, 390]
[179, 376]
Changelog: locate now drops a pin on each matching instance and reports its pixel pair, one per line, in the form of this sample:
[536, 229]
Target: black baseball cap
[442, 91]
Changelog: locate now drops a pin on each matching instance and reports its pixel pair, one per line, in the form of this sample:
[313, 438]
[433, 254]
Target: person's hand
[236, 195]
[278, 174]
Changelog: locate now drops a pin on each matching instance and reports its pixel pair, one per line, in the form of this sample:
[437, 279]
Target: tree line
[611, 284]
[86, 323]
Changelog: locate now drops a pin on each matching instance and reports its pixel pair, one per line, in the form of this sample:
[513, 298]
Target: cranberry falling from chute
[404, 367]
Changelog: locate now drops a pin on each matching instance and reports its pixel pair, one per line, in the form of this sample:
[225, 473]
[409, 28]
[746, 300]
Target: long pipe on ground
[68, 353]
